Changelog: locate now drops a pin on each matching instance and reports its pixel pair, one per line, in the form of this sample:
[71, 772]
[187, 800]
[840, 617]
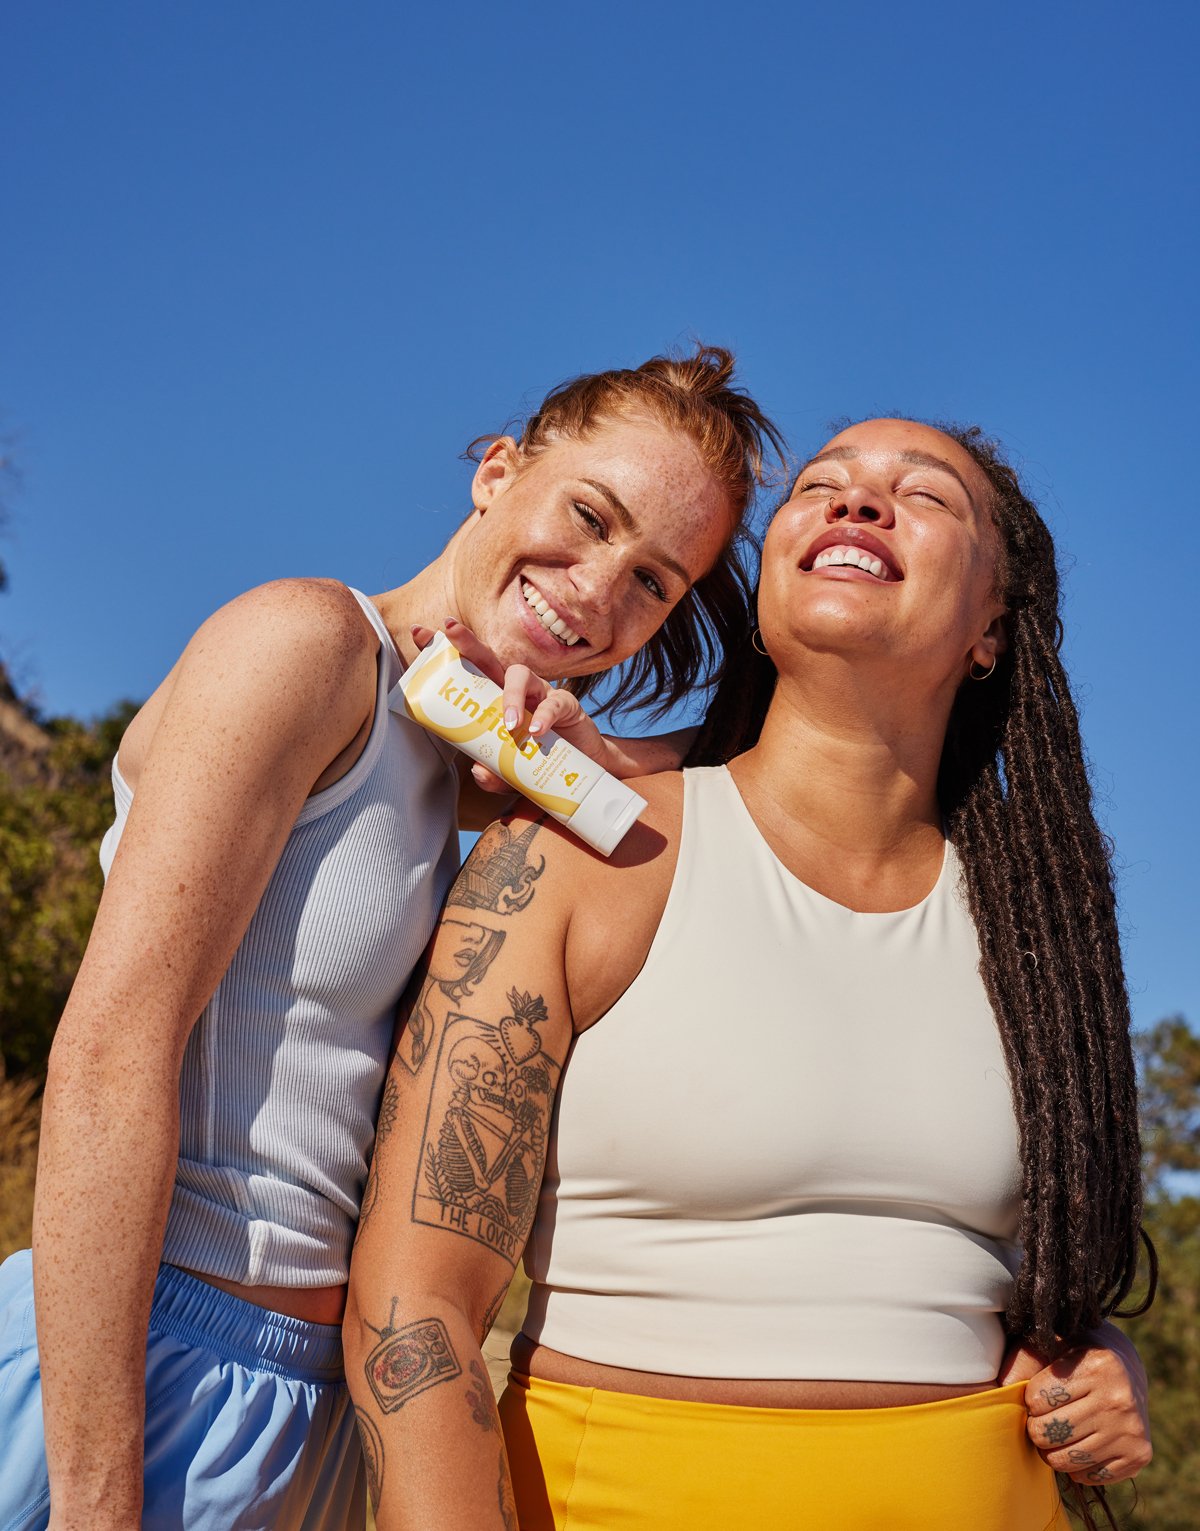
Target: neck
[425, 601]
[851, 757]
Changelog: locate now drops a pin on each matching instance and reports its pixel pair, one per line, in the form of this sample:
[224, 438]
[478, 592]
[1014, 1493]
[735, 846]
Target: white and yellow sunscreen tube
[450, 697]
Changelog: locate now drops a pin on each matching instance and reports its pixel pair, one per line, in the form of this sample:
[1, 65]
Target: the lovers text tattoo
[445, 978]
[1055, 1395]
[481, 1399]
[1059, 1431]
[407, 1361]
[499, 874]
[485, 1129]
[372, 1448]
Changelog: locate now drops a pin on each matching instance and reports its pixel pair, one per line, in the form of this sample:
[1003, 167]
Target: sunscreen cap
[607, 814]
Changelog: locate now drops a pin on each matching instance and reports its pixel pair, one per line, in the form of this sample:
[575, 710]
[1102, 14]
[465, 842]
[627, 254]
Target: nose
[857, 502]
[595, 581]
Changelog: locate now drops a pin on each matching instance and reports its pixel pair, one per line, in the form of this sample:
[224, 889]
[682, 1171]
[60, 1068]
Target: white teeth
[851, 557]
[547, 615]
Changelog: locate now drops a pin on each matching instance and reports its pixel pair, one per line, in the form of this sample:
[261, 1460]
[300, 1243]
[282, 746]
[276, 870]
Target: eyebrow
[624, 516]
[915, 458]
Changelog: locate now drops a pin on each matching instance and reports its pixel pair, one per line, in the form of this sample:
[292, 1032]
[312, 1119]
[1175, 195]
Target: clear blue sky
[268, 266]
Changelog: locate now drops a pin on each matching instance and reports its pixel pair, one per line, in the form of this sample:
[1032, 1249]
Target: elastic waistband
[685, 1408]
[254, 1337]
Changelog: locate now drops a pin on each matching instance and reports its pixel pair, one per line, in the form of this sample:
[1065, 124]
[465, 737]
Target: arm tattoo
[388, 1108]
[407, 1361]
[493, 1312]
[1055, 1396]
[1059, 1431]
[508, 1503]
[482, 1400]
[444, 978]
[484, 1144]
[372, 1447]
[499, 874]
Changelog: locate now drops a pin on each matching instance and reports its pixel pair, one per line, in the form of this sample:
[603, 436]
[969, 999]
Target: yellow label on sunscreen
[461, 705]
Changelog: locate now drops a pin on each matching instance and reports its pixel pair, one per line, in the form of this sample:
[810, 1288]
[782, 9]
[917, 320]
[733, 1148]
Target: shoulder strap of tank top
[395, 665]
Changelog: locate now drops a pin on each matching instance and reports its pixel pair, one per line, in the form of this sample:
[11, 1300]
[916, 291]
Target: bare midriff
[313, 1304]
[747, 1392]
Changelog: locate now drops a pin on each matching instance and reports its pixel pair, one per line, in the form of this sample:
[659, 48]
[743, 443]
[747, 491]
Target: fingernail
[536, 728]
[450, 622]
[511, 718]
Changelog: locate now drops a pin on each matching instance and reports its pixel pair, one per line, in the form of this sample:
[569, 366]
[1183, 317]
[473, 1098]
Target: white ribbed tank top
[282, 1074]
[789, 1149]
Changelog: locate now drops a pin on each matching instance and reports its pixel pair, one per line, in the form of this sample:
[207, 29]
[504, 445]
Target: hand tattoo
[1055, 1395]
[1059, 1431]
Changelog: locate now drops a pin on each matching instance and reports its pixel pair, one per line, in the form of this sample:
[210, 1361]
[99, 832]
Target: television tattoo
[408, 1360]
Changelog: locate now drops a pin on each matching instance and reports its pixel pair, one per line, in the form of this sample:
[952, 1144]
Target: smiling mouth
[561, 631]
[845, 557]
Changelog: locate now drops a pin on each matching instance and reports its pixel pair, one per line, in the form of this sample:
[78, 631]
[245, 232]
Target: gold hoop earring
[756, 643]
[987, 674]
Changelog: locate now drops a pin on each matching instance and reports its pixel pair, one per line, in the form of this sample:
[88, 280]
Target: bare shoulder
[293, 619]
[298, 649]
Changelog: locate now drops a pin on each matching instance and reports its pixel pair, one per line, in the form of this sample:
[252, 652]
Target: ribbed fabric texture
[282, 1074]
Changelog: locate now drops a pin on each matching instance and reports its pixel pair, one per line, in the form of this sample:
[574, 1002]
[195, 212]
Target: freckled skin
[271, 701]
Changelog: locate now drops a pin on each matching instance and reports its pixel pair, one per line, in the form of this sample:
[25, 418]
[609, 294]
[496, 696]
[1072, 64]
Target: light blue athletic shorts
[249, 1425]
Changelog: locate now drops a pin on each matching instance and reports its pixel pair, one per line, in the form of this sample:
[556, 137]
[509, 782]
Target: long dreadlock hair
[1014, 790]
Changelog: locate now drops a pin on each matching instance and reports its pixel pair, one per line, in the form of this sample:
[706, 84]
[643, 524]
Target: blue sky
[268, 267]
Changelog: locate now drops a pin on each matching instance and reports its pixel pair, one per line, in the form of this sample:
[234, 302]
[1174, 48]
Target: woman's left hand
[1087, 1411]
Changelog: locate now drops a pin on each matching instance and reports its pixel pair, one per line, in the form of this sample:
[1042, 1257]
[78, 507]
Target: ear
[987, 649]
[496, 471]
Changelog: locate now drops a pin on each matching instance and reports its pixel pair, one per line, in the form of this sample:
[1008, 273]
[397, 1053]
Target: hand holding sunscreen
[451, 698]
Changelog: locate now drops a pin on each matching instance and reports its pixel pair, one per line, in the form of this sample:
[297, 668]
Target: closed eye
[816, 483]
[928, 494]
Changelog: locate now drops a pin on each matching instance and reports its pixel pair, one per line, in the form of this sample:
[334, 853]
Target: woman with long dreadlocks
[850, 1105]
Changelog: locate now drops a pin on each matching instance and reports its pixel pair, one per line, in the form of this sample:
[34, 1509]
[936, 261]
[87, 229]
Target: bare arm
[269, 692]
[454, 1182]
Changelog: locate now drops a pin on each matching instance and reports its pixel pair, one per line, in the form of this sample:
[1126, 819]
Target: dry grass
[20, 1111]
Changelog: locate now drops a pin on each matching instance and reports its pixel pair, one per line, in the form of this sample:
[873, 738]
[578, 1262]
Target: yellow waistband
[585, 1459]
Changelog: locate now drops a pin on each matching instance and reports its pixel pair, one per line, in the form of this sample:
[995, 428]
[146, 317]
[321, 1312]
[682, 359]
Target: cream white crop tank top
[789, 1150]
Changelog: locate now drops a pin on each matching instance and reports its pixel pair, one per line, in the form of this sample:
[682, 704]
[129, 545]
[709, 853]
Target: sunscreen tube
[454, 700]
